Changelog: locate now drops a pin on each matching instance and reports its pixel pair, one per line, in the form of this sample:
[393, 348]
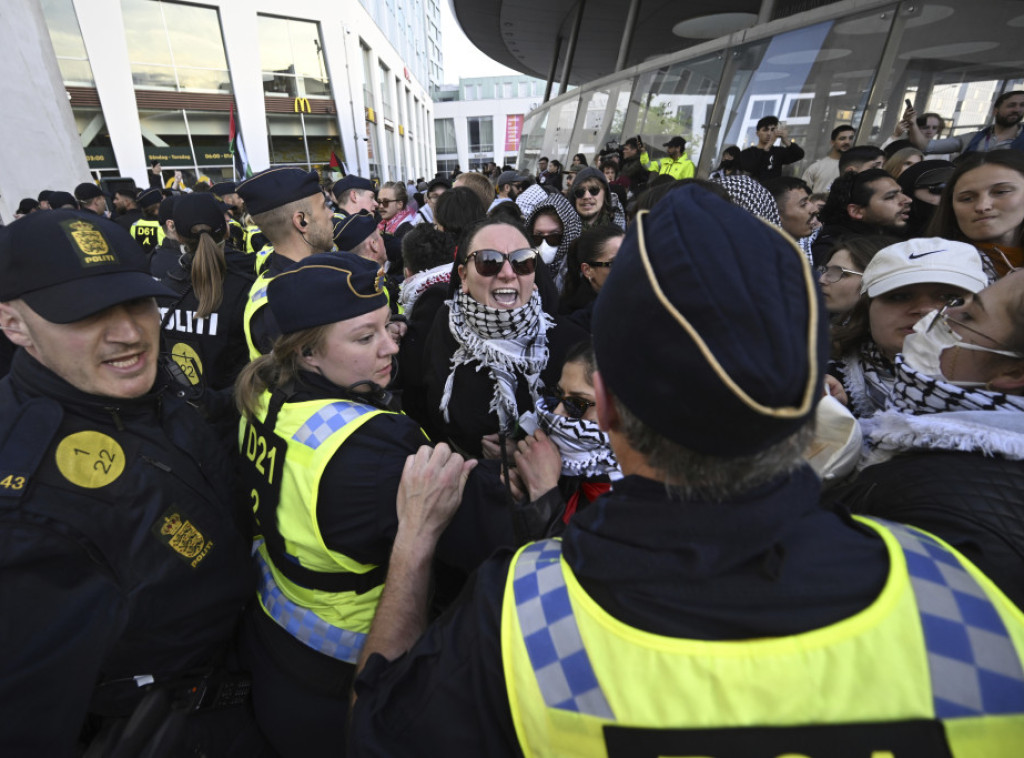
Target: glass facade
[175, 46]
[292, 59]
[848, 63]
[66, 36]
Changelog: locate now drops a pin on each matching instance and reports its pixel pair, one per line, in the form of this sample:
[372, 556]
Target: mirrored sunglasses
[490, 262]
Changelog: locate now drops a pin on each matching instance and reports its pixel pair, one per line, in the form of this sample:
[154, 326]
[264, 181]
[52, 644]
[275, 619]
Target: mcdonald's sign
[302, 105]
[371, 116]
[401, 130]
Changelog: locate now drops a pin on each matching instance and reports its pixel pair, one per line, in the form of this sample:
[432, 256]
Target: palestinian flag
[337, 167]
[242, 169]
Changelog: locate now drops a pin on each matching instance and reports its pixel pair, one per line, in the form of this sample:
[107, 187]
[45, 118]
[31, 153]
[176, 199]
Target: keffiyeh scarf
[930, 414]
[420, 282]
[867, 378]
[396, 221]
[586, 450]
[751, 195]
[504, 342]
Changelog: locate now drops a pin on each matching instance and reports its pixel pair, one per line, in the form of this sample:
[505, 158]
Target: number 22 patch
[90, 459]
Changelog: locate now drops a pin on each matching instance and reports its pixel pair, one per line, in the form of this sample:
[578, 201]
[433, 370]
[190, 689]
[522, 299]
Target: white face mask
[923, 349]
[547, 252]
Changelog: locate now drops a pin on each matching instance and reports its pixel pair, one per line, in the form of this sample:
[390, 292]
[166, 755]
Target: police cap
[351, 230]
[150, 197]
[68, 265]
[351, 182]
[722, 354]
[323, 289]
[276, 187]
[166, 212]
[62, 199]
[223, 188]
[201, 209]
[87, 191]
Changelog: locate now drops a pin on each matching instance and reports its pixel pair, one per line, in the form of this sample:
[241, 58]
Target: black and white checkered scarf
[586, 450]
[867, 378]
[930, 414]
[751, 195]
[504, 342]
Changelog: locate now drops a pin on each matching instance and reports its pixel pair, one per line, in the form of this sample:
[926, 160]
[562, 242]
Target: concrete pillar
[240, 28]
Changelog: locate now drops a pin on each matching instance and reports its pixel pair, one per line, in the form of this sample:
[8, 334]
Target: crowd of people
[603, 460]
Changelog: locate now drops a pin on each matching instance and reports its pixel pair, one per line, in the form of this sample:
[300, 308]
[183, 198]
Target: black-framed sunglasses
[384, 202]
[832, 274]
[581, 191]
[490, 262]
[554, 239]
[934, 189]
[601, 264]
[576, 407]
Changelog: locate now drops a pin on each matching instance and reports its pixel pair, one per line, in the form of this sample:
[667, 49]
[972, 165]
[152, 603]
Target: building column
[102, 26]
[570, 50]
[39, 143]
[627, 34]
[554, 67]
[240, 27]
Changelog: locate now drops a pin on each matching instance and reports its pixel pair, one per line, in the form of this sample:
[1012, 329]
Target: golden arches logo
[302, 105]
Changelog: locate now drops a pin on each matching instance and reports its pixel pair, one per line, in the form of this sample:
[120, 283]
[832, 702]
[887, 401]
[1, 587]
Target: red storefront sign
[513, 131]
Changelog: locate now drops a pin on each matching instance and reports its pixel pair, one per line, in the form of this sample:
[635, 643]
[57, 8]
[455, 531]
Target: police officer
[323, 450]
[290, 208]
[123, 569]
[707, 605]
[147, 230]
[203, 323]
[354, 194]
[165, 256]
[236, 231]
[91, 198]
[358, 233]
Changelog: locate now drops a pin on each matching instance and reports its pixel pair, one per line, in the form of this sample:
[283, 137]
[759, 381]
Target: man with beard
[1004, 134]
[820, 174]
[869, 202]
[510, 184]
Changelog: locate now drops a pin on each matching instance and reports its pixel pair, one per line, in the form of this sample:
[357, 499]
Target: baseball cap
[924, 260]
[61, 199]
[87, 191]
[675, 142]
[323, 289]
[68, 265]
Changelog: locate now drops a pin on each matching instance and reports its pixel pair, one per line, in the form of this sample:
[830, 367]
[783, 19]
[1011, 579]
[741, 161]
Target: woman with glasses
[552, 226]
[593, 200]
[984, 204]
[492, 351]
[396, 217]
[840, 278]
[948, 456]
[901, 283]
[589, 263]
[566, 461]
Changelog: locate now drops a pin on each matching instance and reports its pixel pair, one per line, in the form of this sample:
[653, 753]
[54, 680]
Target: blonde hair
[207, 269]
[278, 368]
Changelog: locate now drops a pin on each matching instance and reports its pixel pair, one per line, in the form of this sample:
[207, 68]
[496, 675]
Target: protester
[983, 204]
[552, 226]
[864, 203]
[766, 159]
[395, 214]
[820, 174]
[494, 348]
[840, 278]
[923, 183]
[949, 455]
[901, 160]
[594, 201]
[588, 264]
[901, 283]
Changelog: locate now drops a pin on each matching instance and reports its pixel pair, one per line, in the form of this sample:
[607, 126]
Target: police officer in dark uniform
[236, 231]
[354, 194]
[203, 323]
[291, 211]
[147, 230]
[165, 256]
[123, 567]
[358, 233]
[707, 605]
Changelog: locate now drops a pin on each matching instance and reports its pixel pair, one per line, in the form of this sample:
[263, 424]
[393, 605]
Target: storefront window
[291, 58]
[303, 140]
[175, 46]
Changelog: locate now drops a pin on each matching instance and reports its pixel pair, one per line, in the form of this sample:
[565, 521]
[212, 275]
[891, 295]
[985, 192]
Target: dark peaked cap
[709, 327]
[275, 187]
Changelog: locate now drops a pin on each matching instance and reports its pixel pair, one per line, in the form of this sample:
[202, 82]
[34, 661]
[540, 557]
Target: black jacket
[971, 501]
[121, 557]
[766, 164]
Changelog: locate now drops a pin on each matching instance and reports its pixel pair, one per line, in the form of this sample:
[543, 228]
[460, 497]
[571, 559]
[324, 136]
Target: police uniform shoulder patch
[176, 530]
[188, 361]
[90, 459]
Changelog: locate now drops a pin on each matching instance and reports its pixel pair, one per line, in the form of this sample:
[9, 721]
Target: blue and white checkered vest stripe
[328, 420]
[303, 624]
[560, 662]
[975, 669]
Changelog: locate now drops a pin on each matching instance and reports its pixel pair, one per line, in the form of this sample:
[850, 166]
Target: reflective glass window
[813, 79]
[481, 134]
[604, 115]
[954, 59]
[305, 142]
[66, 37]
[291, 58]
[674, 101]
[175, 46]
